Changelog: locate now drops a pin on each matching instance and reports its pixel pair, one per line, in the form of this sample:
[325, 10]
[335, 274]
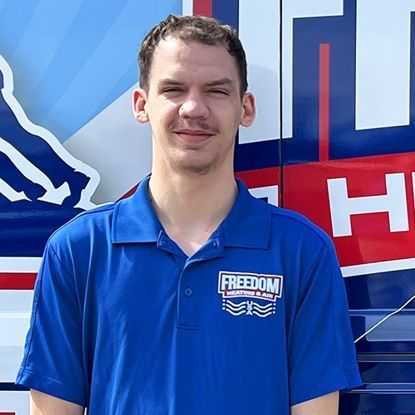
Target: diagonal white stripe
[377, 267]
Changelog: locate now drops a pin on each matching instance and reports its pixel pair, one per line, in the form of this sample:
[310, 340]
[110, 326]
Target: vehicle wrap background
[334, 139]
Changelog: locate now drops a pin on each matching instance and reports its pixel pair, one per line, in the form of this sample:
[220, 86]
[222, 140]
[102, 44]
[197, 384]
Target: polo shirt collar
[248, 224]
[134, 219]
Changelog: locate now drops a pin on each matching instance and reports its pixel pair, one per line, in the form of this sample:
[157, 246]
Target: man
[191, 297]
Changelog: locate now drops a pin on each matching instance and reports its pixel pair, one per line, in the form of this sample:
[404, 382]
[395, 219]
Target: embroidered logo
[249, 286]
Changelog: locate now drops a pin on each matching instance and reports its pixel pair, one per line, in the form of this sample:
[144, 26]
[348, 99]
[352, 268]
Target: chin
[200, 168]
[200, 163]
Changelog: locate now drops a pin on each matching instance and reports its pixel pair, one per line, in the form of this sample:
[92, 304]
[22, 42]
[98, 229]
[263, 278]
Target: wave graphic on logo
[248, 308]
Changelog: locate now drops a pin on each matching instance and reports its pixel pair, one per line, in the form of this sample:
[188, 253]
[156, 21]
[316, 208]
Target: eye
[216, 91]
[167, 90]
[172, 90]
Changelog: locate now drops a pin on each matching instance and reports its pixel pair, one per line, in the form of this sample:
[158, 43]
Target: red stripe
[7, 413]
[128, 194]
[324, 98]
[17, 281]
[202, 8]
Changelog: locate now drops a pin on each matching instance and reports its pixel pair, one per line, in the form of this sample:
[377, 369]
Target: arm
[43, 404]
[53, 361]
[327, 405]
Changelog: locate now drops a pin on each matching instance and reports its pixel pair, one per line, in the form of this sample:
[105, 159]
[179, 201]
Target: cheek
[230, 113]
[162, 112]
[233, 122]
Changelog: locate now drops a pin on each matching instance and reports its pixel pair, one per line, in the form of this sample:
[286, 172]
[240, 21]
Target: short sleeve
[322, 355]
[52, 361]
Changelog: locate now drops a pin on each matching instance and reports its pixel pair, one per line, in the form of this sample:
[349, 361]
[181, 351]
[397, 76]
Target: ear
[248, 110]
[139, 105]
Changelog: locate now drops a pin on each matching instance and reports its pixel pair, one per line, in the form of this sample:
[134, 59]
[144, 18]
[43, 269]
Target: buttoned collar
[248, 224]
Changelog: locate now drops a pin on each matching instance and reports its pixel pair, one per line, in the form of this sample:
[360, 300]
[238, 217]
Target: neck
[190, 207]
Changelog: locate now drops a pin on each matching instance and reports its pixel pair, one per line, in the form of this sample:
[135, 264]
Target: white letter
[342, 206]
[273, 285]
[269, 192]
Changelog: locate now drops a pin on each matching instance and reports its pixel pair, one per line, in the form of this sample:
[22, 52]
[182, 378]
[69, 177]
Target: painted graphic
[18, 136]
[38, 177]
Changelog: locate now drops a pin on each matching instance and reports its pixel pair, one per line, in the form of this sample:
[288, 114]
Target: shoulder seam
[84, 213]
[301, 219]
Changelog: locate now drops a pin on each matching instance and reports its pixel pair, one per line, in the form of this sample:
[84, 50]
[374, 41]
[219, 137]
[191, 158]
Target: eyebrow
[169, 81]
[221, 81]
[216, 82]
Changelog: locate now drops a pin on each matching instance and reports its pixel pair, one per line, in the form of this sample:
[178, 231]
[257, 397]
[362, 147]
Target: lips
[194, 135]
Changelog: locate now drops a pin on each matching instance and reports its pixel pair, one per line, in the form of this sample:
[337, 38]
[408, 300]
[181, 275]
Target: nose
[194, 106]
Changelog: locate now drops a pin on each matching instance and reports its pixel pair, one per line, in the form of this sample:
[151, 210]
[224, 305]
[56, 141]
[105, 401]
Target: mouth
[194, 136]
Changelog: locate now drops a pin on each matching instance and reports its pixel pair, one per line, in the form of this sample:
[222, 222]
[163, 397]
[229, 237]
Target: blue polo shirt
[124, 322]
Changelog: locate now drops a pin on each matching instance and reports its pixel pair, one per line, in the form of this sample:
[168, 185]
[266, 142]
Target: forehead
[188, 60]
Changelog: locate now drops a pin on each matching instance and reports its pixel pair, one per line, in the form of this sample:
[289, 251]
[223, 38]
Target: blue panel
[259, 155]
[382, 290]
[226, 11]
[377, 404]
[4, 386]
[388, 372]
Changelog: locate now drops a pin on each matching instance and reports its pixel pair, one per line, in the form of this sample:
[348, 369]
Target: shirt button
[188, 292]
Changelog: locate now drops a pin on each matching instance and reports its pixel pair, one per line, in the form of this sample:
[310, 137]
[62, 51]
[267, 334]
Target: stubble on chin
[192, 167]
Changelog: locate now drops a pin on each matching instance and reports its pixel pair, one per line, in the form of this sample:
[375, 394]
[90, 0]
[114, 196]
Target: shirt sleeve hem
[49, 386]
[351, 380]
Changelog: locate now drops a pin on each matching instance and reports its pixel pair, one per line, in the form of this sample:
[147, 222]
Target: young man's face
[194, 106]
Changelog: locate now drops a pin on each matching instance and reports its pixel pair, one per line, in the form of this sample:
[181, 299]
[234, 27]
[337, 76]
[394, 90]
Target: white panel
[19, 264]
[187, 7]
[19, 301]
[383, 63]
[13, 327]
[15, 308]
[116, 146]
[10, 360]
[315, 8]
[17, 402]
[259, 33]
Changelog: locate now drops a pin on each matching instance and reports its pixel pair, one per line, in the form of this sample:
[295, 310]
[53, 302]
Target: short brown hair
[201, 29]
